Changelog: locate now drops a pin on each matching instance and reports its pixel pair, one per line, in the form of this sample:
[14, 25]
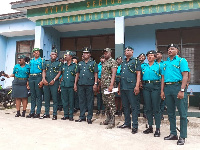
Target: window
[188, 40]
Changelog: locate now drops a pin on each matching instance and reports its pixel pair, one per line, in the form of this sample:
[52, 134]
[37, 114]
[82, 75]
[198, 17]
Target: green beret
[86, 50]
[128, 47]
[141, 55]
[108, 50]
[151, 52]
[172, 45]
[21, 56]
[54, 50]
[35, 49]
[67, 52]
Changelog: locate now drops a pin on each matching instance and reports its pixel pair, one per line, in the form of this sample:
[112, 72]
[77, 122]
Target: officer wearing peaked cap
[67, 85]
[86, 79]
[50, 75]
[173, 86]
[35, 83]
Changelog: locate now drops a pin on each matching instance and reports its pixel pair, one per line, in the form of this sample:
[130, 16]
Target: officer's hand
[45, 82]
[136, 90]
[28, 87]
[162, 95]
[141, 87]
[110, 88]
[180, 95]
[75, 87]
[118, 92]
[52, 82]
[59, 89]
[40, 84]
[94, 87]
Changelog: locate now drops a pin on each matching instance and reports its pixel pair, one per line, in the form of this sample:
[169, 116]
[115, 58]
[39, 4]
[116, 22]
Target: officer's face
[68, 57]
[128, 52]
[21, 61]
[36, 54]
[119, 60]
[172, 51]
[142, 58]
[102, 60]
[107, 55]
[159, 56]
[151, 57]
[74, 61]
[86, 56]
[53, 55]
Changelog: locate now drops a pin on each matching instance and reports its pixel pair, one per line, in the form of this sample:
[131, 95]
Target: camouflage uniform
[108, 99]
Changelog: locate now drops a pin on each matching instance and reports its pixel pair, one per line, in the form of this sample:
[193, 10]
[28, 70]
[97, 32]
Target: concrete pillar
[39, 37]
[119, 36]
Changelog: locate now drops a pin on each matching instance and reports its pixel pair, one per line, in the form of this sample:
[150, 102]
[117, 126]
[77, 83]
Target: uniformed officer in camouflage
[86, 78]
[35, 83]
[173, 86]
[129, 88]
[50, 75]
[108, 73]
[67, 86]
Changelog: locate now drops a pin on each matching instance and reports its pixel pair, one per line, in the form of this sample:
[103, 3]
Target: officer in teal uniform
[50, 75]
[86, 78]
[129, 88]
[35, 83]
[160, 62]
[151, 73]
[173, 86]
[67, 86]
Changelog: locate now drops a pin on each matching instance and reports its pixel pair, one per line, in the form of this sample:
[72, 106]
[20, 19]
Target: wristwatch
[182, 90]
[95, 83]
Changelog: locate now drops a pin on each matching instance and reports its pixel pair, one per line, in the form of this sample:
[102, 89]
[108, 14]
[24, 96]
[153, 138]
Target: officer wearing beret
[86, 78]
[50, 75]
[67, 86]
[35, 83]
[151, 73]
[109, 70]
[173, 86]
[129, 88]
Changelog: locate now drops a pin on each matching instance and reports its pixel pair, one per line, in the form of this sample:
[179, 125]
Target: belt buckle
[148, 81]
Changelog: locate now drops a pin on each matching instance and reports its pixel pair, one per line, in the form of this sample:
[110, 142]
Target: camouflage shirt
[106, 73]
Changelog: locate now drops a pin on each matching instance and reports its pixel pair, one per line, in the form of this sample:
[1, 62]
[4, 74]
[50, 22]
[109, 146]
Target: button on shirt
[128, 73]
[68, 73]
[52, 69]
[152, 72]
[21, 72]
[36, 65]
[86, 72]
[172, 69]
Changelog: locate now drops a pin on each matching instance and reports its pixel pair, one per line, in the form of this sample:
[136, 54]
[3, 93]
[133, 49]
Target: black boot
[18, 114]
[23, 113]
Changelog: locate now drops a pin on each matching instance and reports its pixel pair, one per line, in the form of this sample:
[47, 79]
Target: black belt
[36, 74]
[151, 81]
[169, 83]
[21, 78]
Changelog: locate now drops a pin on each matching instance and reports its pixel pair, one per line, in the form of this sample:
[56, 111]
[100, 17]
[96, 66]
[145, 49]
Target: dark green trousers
[151, 94]
[59, 99]
[51, 90]
[130, 99]
[36, 93]
[67, 96]
[76, 100]
[86, 100]
[171, 92]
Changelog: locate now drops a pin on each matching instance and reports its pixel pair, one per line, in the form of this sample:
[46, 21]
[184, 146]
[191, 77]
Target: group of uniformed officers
[160, 81]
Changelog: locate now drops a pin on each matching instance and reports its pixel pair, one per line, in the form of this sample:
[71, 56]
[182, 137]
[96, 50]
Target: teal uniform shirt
[172, 69]
[52, 69]
[36, 65]
[68, 73]
[21, 72]
[99, 70]
[86, 72]
[128, 73]
[151, 72]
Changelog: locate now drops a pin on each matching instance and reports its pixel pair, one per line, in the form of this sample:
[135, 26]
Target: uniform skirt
[19, 89]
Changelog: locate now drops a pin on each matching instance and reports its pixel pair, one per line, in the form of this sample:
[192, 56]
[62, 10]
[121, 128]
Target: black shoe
[17, 115]
[134, 130]
[98, 112]
[171, 137]
[147, 131]
[162, 118]
[64, 118]
[36, 116]
[80, 120]
[103, 112]
[89, 121]
[117, 112]
[139, 115]
[54, 117]
[181, 141]
[157, 133]
[124, 126]
[45, 116]
[71, 119]
[23, 114]
[30, 116]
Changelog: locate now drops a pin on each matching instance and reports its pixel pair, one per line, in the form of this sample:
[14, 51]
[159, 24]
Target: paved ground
[36, 134]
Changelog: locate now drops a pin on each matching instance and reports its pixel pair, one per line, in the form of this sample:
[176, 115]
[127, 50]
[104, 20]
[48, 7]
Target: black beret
[159, 52]
[151, 52]
[86, 50]
[172, 45]
[128, 47]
